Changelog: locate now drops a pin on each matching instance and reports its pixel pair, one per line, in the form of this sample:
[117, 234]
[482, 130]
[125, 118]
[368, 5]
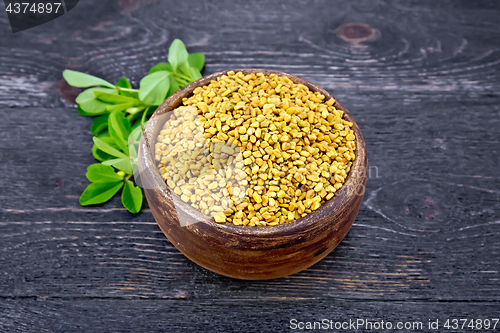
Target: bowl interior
[355, 178]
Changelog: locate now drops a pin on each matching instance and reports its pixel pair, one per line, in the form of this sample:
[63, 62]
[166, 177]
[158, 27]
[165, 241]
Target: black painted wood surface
[421, 80]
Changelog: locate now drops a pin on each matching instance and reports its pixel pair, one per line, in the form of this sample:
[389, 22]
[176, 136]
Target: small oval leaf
[132, 197]
[82, 80]
[97, 193]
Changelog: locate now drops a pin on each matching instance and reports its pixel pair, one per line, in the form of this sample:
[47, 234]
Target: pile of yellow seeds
[255, 149]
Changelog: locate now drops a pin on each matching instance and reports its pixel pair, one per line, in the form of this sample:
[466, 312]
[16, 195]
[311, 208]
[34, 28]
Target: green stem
[144, 118]
[188, 79]
[127, 89]
[181, 81]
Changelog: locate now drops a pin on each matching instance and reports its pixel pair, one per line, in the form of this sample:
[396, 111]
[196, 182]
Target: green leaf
[194, 73]
[104, 136]
[100, 155]
[124, 83]
[135, 110]
[174, 86]
[123, 164]
[177, 53]
[197, 60]
[99, 124]
[89, 94]
[84, 113]
[90, 104]
[154, 87]
[162, 66]
[134, 139]
[114, 98]
[184, 68]
[82, 80]
[97, 193]
[132, 197]
[119, 129]
[134, 142]
[108, 149]
[132, 151]
[119, 107]
[132, 94]
[99, 173]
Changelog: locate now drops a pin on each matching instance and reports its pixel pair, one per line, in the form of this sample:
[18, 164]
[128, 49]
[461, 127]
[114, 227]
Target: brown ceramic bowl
[244, 252]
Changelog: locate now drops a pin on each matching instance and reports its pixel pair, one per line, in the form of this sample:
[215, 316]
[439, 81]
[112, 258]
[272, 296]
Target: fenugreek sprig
[118, 110]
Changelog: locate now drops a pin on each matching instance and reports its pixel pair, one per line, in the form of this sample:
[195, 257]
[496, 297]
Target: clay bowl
[253, 253]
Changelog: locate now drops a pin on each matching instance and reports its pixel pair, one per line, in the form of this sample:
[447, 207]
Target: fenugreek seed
[307, 203]
[311, 117]
[313, 178]
[220, 218]
[288, 137]
[257, 198]
[218, 208]
[301, 208]
[339, 178]
[227, 150]
[305, 153]
[298, 177]
[318, 187]
[281, 194]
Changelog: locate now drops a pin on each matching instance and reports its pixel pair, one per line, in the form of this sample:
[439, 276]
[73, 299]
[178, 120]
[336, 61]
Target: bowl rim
[289, 228]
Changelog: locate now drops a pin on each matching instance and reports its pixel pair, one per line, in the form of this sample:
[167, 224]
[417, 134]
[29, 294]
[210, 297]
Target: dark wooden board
[156, 315]
[424, 92]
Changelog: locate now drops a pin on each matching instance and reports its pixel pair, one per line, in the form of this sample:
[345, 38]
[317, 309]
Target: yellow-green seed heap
[255, 149]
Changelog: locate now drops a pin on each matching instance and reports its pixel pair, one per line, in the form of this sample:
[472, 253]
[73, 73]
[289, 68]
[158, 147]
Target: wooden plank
[132, 258]
[430, 217]
[452, 52]
[118, 315]
[422, 85]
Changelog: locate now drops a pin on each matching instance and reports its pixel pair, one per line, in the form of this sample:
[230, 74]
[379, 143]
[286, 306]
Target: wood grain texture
[154, 315]
[424, 93]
